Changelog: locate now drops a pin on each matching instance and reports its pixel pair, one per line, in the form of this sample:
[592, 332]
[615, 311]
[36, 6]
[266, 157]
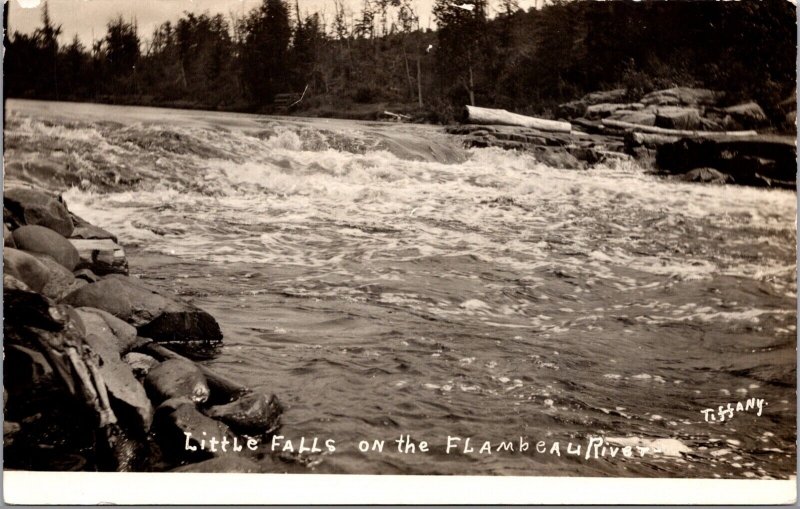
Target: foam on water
[458, 283]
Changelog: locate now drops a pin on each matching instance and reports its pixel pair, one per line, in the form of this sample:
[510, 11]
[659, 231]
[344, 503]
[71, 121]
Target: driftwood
[219, 383]
[678, 133]
[396, 116]
[476, 115]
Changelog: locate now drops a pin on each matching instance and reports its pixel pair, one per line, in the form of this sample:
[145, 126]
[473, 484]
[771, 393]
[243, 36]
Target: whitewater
[383, 280]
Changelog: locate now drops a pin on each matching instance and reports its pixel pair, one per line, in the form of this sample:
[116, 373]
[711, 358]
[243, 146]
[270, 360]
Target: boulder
[60, 281]
[791, 118]
[222, 465]
[8, 239]
[178, 422]
[123, 335]
[39, 239]
[86, 230]
[154, 315]
[26, 268]
[255, 413]
[26, 206]
[706, 175]
[176, 378]
[9, 430]
[605, 96]
[572, 109]
[140, 363]
[101, 256]
[758, 160]
[682, 96]
[129, 400]
[675, 117]
[603, 110]
[747, 114]
[24, 369]
[557, 157]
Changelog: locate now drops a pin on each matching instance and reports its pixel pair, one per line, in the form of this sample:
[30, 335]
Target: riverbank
[89, 384]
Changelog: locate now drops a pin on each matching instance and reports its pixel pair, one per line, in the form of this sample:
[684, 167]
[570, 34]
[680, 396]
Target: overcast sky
[88, 18]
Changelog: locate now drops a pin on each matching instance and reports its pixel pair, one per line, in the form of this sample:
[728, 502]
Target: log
[649, 140]
[476, 115]
[618, 124]
[222, 385]
[396, 116]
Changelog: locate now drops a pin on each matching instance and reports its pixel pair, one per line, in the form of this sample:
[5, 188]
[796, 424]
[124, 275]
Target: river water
[384, 281]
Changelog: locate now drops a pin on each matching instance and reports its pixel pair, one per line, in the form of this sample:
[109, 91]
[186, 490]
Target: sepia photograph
[404, 239]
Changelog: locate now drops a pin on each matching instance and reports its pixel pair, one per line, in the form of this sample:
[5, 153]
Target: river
[384, 281]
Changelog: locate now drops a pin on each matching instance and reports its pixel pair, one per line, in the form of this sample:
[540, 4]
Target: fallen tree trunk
[476, 115]
[679, 133]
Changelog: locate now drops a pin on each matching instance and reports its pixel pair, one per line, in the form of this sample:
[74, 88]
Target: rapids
[384, 281]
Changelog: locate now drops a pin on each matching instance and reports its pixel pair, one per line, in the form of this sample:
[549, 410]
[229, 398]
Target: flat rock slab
[101, 256]
[154, 315]
[121, 384]
[124, 333]
[86, 230]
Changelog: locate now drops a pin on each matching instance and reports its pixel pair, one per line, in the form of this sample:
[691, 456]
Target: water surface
[382, 280]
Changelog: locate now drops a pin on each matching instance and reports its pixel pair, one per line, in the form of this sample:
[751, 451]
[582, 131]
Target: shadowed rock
[706, 175]
[24, 206]
[254, 413]
[177, 417]
[747, 114]
[154, 315]
[87, 275]
[8, 238]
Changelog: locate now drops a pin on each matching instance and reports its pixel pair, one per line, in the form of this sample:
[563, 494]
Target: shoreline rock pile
[687, 132]
[89, 383]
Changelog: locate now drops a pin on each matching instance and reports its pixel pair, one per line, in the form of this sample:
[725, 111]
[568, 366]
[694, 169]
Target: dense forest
[360, 62]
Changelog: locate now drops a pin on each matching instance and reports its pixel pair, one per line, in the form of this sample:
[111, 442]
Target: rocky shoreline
[92, 379]
[685, 133]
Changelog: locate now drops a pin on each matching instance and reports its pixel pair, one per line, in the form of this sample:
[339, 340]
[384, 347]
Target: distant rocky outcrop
[683, 131]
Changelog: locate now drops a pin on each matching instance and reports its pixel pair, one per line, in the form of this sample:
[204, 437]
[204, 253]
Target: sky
[88, 18]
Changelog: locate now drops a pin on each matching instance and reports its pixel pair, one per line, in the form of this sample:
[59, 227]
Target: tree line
[345, 64]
